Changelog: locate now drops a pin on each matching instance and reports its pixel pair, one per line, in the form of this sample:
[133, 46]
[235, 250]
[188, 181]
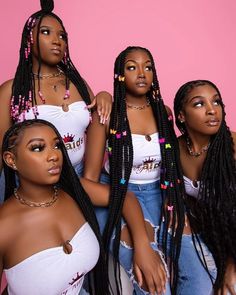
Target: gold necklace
[139, 108]
[46, 76]
[195, 154]
[35, 204]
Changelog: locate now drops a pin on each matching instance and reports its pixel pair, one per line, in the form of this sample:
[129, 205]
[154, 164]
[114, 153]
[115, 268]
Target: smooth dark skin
[54, 225]
[201, 105]
[51, 37]
[137, 69]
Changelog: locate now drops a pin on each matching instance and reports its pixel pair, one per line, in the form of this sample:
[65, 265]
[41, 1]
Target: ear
[9, 159]
[181, 117]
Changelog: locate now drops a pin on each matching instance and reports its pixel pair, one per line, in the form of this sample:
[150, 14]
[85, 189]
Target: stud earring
[14, 166]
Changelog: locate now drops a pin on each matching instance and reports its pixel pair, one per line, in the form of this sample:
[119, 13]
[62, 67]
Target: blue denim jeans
[149, 197]
[193, 277]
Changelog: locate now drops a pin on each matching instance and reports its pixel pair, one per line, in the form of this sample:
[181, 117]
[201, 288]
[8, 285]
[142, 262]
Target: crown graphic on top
[68, 138]
[149, 160]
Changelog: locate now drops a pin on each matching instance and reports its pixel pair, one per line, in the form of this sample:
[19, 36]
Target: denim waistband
[144, 186]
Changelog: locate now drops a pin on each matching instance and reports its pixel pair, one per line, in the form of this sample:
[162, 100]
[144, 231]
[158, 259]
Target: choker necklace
[196, 154]
[35, 204]
[139, 108]
[46, 76]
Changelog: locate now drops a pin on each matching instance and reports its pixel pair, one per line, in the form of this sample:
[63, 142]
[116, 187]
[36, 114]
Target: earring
[14, 166]
[181, 121]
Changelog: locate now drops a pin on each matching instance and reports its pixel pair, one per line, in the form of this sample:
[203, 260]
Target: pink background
[189, 39]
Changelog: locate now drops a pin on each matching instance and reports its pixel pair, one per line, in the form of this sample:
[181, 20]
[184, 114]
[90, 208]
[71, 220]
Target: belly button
[67, 247]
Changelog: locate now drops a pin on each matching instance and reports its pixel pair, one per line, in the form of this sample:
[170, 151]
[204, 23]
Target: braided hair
[69, 182]
[23, 88]
[120, 150]
[216, 203]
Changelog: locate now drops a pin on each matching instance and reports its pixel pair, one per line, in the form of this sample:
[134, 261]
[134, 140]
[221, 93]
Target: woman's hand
[103, 102]
[149, 270]
[229, 285]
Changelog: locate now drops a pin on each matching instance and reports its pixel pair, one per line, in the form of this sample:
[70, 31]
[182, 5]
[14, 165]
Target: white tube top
[52, 271]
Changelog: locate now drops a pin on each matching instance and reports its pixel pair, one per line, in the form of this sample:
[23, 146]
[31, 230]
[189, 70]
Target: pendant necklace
[195, 154]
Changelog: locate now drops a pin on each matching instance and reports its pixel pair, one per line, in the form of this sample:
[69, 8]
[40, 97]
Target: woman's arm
[95, 148]
[147, 262]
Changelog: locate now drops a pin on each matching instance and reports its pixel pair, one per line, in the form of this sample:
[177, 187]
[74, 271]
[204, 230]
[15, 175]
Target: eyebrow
[131, 60]
[40, 139]
[49, 27]
[199, 96]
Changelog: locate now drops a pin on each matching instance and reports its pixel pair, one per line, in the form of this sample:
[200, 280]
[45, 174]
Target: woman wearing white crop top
[48, 86]
[140, 144]
[44, 248]
[208, 154]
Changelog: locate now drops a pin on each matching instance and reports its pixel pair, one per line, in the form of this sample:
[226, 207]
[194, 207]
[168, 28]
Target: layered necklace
[48, 76]
[190, 150]
[36, 204]
[137, 107]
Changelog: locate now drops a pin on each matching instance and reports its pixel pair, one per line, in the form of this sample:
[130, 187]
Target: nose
[210, 110]
[53, 155]
[141, 73]
[56, 39]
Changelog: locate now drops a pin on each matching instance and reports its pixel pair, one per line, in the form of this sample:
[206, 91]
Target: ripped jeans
[193, 278]
[149, 197]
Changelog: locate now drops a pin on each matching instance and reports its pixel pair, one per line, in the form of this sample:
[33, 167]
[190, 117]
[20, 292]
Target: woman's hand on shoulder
[169, 114]
[103, 103]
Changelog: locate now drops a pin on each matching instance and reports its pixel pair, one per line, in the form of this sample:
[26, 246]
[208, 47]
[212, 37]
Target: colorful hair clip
[168, 146]
[171, 184]
[162, 140]
[118, 135]
[166, 183]
[163, 186]
[170, 118]
[170, 208]
[122, 181]
[113, 131]
[121, 78]
[124, 133]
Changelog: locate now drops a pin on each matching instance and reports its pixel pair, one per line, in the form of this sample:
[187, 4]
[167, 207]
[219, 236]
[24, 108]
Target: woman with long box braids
[143, 157]
[208, 153]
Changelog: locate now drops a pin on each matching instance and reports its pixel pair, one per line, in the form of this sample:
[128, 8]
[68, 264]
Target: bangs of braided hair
[215, 208]
[120, 149]
[23, 88]
[68, 182]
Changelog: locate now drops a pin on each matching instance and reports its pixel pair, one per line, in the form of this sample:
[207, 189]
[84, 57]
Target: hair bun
[47, 5]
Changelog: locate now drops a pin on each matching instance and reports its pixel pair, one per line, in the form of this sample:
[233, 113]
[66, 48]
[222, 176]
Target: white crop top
[147, 159]
[52, 271]
[191, 188]
[71, 125]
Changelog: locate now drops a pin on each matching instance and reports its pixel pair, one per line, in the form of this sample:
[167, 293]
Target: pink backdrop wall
[189, 39]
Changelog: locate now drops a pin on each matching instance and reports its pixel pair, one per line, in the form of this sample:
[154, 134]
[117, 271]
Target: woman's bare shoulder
[6, 89]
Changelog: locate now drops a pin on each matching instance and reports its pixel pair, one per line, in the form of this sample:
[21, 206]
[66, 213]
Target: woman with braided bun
[208, 158]
[142, 150]
[48, 86]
